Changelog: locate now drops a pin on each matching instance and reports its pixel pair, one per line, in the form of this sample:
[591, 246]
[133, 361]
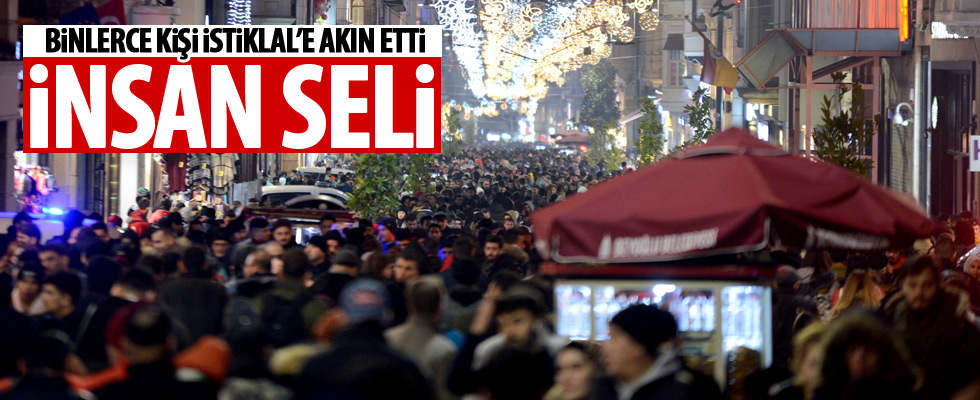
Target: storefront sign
[224, 89]
[975, 153]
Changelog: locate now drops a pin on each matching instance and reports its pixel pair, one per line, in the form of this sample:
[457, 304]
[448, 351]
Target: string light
[513, 49]
[239, 12]
[649, 21]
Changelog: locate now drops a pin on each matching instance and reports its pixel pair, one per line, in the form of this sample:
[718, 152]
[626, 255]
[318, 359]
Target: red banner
[230, 103]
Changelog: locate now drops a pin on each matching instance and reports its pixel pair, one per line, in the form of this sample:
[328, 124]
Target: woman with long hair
[576, 367]
[859, 291]
[863, 360]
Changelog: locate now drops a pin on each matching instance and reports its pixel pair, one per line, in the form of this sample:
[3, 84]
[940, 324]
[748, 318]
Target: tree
[417, 169]
[452, 141]
[699, 117]
[600, 106]
[846, 132]
[602, 146]
[376, 185]
[650, 141]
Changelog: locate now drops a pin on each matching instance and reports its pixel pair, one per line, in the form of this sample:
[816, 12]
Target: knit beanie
[648, 325]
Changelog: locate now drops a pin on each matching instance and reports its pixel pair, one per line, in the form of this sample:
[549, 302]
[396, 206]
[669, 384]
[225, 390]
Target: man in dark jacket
[940, 340]
[360, 365]
[45, 361]
[641, 361]
[791, 313]
[342, 271]
[151, 374]
[194, 299]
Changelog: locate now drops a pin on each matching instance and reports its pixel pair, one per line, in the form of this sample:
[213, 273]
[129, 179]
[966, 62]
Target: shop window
[357, 12]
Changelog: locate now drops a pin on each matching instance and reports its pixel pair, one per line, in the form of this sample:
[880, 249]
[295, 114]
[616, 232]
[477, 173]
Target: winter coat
[434, 353]
[361, 366]
[156, 381]
[940, 340]
[198, 303]
[680, 383]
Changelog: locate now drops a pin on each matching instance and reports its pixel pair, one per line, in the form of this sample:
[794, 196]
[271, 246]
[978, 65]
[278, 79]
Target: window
[357, 12]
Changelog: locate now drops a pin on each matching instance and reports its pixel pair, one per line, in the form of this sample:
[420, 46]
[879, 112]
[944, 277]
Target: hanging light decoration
[649, 21]
[239, 12]
[512, 50]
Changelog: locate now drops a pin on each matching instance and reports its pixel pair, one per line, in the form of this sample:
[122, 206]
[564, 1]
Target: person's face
[401, 214]
[261, 235]
[406, 270]
[919, 290]
[314, 254]
[29, 288]
[53, 262]
[411, 224]
[435, 233]
[333, 247]
[491, 250]
[973, 269]
[250, 268]
[516, 325]
[274, 249]
[283, 235]
[893, 256]
[25, 239]
[573, 373]
[385, 235]
[976, 232]
[508, 224]
[861, 362]
[73, 236]
[54, 301]
[102, 235]
[621, 353]
[219, 248]
[325, 226]
[240, 235]
[162, 242]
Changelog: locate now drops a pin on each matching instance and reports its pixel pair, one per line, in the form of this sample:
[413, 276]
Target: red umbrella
[733, 194]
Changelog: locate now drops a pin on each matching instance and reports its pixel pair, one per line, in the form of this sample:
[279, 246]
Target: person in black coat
[791, 312]
[151, 374]
[17, 331]
[45, 359]
[641, 361]
[194, 299]
[360, 365]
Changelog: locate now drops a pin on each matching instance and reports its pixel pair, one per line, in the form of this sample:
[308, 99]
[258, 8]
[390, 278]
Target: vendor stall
[690, 233]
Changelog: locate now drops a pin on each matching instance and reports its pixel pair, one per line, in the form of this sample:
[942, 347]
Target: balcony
[962, 17]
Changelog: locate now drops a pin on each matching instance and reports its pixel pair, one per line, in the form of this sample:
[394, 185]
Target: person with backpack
[289, 311]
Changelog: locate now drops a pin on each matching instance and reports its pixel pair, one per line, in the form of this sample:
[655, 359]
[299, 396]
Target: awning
[675, 41]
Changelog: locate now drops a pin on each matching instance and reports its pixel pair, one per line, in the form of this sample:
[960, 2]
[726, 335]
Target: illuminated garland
[239, 12]
[510, 50]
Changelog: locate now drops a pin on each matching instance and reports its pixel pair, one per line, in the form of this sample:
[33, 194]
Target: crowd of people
[442, 300]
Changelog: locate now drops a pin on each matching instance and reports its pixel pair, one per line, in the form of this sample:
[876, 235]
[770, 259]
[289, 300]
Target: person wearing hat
[343, 270]
[359, 356]
[641, 360]
[386, 234]
[25, 297]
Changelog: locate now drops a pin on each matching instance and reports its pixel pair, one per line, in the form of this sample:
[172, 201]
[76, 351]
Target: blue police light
[54, 211]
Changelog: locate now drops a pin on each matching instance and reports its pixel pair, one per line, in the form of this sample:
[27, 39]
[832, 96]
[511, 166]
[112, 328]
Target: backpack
[282, 320]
